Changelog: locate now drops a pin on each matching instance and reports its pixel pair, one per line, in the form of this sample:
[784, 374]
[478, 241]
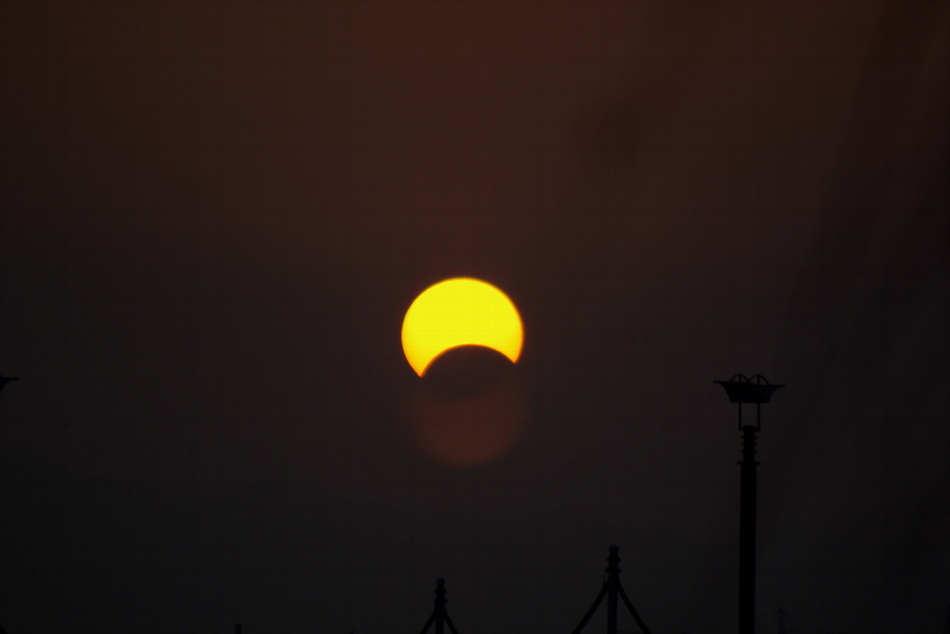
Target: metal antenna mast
[440, 618]
[612, 589]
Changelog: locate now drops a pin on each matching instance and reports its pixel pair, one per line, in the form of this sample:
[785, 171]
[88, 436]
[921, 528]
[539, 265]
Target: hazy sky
[213, 216]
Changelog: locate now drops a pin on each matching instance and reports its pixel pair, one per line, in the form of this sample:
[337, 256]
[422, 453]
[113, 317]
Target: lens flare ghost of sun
[461, 311]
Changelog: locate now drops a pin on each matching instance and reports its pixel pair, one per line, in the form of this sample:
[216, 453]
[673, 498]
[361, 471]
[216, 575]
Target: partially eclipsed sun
[461, 311]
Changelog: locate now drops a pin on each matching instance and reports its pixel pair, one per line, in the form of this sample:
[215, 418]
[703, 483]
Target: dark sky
[213, 216]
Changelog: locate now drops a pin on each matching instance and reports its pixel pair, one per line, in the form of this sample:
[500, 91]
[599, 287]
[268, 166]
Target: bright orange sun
[461, 311]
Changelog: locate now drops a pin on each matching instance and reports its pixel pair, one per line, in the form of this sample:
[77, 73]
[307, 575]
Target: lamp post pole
[747, 532]
[748, 390]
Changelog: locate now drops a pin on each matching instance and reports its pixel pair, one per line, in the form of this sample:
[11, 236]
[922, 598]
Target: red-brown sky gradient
[214, 215]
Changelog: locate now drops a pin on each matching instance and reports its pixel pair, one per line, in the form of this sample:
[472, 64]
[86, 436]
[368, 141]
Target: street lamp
[742, 390]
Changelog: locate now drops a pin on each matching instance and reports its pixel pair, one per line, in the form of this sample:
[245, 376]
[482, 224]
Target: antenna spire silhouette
[781, 618]
[612, 589]
[439, 615]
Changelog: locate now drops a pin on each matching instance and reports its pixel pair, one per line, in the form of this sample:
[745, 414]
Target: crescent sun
[461, 311]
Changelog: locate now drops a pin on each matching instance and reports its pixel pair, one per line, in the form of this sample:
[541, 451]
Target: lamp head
[741, 389]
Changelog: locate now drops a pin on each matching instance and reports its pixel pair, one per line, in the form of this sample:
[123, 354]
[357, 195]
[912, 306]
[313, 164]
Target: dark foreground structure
[741, 390]
[440, 617]
[612, 589]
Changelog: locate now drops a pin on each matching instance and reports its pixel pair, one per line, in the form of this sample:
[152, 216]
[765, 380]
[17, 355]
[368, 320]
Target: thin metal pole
[613, 583]
[747, 532]
[440, 606]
